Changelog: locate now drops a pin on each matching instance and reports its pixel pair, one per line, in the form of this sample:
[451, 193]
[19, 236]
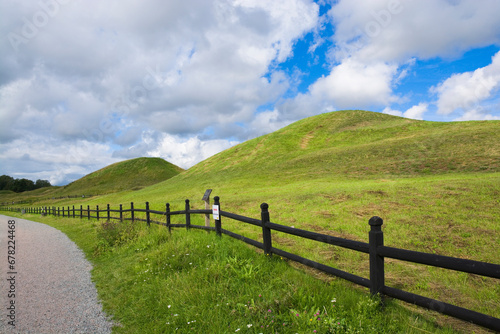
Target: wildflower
[169, 306]
[297, 314]
[237, 330]
[334, 300]
[269, 311]
[249, 325]
[260, 296]
[208, 246]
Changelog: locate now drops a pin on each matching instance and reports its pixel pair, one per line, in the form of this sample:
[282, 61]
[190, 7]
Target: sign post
[206, 199]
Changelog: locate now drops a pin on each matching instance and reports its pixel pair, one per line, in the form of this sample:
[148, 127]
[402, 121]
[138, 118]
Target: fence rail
[375, 248]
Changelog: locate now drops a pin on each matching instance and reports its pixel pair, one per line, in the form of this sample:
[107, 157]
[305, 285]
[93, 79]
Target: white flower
[237, 330]
[249, 325]
[169, 306]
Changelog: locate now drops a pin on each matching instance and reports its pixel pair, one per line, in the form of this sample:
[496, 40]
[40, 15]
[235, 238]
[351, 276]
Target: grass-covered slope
[125, 175]
[363, 143]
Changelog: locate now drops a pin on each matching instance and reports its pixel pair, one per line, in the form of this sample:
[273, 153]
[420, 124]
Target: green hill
[126, 175]
[362, 143]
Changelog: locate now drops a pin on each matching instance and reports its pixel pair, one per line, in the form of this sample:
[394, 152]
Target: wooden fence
[375, 248]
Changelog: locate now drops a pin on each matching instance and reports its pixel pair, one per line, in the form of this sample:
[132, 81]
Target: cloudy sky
[84, 84]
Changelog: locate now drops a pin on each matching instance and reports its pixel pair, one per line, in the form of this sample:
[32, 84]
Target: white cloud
[48, 158]
[105, 72]
[186, 153]
[477, 114]
[464, 91]
[396, 30]
[415, 112]
[353, 84]
[267, 122]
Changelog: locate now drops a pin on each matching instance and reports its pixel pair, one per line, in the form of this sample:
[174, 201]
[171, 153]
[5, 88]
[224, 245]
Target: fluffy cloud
[353, 84]
[465, 91]
[106, 74]
[186, 153]
[395, 30]
[415, 112]
[48, 158]
[376, 42]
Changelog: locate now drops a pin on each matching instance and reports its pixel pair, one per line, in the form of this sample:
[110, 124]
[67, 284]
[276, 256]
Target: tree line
[20, 185]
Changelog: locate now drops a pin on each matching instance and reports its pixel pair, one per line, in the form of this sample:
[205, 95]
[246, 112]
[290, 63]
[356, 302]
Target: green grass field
[436, 185]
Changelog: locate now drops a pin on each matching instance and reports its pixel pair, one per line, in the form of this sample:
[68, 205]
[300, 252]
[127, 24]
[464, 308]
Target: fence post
[188, 216]
[218, 223]
[121, 212]
[109, 217]
[206, 199]
[97, 211]
[88, 212]
[63, 212]
[376, 239]
[132, 211]
[266, 231]
[147, 215]
[81, 211]
[73, 211]
[167, 214]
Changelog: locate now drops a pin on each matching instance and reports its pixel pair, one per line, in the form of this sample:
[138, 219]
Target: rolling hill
[131, 174]
[363, 144]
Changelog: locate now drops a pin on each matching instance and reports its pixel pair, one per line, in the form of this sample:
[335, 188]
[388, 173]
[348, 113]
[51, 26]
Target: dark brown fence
[375, 248]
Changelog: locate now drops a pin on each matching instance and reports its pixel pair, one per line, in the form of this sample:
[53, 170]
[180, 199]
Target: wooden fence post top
[264, 206]
[375, 221]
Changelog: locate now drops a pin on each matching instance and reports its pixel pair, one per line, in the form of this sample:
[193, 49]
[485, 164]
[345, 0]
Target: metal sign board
[206, 197]
[215, 212]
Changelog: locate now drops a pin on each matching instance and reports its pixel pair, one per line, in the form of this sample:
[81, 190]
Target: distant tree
[42, 183]
[21, 185]
[6, 182]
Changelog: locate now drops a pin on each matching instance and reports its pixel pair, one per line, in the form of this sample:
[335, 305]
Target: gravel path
[53, 289]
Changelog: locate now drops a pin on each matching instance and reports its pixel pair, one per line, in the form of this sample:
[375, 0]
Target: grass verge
[151, 281]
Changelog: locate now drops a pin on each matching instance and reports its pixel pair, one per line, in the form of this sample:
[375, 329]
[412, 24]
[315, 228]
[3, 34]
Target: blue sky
[84, 84]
